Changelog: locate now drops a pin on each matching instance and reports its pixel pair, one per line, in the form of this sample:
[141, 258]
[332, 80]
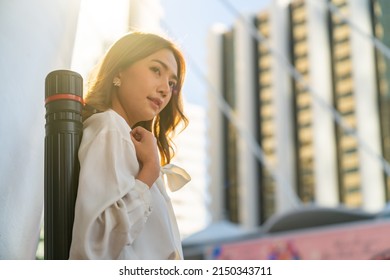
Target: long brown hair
[124, 52]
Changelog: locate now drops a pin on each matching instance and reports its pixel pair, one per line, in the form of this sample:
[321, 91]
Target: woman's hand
[147, 154]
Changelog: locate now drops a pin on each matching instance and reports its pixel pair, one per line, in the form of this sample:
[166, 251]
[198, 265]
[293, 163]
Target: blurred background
[289, 107]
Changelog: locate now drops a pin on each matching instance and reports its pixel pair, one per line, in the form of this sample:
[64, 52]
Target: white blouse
[116, 215]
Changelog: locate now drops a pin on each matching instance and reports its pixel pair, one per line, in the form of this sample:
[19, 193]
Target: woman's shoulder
[107, 121]
[103, 124]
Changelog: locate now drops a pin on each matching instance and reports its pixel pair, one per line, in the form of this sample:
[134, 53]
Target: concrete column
[215, 126]
[320, 80]
[367, 112]
[281, 87]
[246, 112]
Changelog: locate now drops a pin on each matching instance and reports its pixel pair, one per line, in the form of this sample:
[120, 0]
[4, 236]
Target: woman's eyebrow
[165, 66]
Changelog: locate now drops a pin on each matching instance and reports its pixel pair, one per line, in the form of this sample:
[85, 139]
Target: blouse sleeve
[112, 206]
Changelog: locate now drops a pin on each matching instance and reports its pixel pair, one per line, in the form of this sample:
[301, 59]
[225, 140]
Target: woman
[133, 106]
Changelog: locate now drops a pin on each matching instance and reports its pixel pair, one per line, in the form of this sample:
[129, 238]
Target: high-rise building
[191, 202]
[318, 109]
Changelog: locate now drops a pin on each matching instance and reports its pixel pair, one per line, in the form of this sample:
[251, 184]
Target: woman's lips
[156, 101]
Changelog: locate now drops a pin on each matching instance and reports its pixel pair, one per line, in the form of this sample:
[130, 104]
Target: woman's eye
[156, 70]
[172, 85]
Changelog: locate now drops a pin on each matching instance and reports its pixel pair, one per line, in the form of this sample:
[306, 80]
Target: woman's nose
[165, 87]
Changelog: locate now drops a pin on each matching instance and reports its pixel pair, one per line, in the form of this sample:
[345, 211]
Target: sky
[189, 23]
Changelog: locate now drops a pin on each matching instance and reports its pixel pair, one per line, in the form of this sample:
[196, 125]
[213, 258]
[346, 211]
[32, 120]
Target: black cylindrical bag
[64, 127]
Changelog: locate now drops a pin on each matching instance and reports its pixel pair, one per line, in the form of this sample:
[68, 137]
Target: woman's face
[146, 87]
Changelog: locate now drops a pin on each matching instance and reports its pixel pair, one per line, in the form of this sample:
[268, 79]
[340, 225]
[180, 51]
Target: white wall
[36, 38]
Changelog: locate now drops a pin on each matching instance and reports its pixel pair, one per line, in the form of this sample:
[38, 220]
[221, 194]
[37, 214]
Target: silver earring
[116, 82]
